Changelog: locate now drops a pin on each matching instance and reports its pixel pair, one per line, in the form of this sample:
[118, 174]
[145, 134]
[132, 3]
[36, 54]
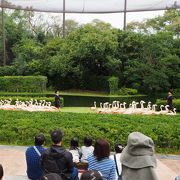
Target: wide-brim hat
[139, 152]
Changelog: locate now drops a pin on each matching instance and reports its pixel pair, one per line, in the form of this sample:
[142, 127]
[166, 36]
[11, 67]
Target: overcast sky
[115, 19]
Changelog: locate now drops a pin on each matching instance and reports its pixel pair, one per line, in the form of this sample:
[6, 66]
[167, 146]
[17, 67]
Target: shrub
[47, 99]
[127, 91]
[19, 128]
[23, 83]
[176, 103]
[113, 84]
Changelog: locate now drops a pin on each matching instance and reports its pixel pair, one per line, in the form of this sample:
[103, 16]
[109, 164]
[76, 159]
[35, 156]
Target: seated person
[91, 175]
[116, 157]
[100, 161]
[51, 176]
[75, 150]
[138, 159]
[33, 155]
[1, 172]
[57, 159]
[87, 149]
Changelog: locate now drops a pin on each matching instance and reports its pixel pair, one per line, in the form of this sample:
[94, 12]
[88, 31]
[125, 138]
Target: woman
[100, 161]
[169, 101]
[57, 99]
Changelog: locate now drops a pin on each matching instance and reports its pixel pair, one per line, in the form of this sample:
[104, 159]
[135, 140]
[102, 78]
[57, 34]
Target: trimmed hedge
[19, 128]
[23, 83]
[47, 99]
[176, 103]
[127, 91]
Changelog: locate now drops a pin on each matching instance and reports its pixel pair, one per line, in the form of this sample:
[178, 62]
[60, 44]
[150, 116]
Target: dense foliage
[23, 83]
[24, 99]
[19, 127]
[144, 60]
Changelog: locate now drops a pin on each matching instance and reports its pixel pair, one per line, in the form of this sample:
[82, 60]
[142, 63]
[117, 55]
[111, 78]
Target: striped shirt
[106, 167]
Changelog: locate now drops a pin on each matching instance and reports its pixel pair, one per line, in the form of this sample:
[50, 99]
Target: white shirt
[75, 154]
[86, 151]
[119, 165]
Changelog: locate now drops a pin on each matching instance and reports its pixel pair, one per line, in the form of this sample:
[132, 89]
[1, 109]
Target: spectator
[1, 172]
[138, 160]
[33, 155]
[91, 175]
[87, 149]
[57, 159]
[116, 157]
[75, 150]
[100, 161]
[51, 176]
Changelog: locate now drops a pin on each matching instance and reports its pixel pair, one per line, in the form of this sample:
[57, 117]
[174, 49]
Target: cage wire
[90, 6]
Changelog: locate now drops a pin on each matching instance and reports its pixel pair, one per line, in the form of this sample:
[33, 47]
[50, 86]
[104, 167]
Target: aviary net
[90, 6]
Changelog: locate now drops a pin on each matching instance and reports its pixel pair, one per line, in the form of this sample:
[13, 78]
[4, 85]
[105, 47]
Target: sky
[115, 19]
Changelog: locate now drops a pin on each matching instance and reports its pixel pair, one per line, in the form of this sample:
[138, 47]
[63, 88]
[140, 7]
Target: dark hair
[88, 141]
[39, 140]
[91, 174]
[1, 171]
[171, 92]
[101, 149]
[74, 143]
[118, 147]
[51, 176]
[56, 136]
[56, 91]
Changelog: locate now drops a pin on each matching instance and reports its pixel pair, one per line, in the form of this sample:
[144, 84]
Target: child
[75, 150]
[116, 157]
[87, 149]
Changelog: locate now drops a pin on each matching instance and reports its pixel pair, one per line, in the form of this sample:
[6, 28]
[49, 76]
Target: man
[33, 155]
[1, 172]
[57, 159]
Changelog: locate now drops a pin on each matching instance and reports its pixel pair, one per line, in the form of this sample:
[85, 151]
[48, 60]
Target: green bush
[23, 83]
[95, 83]
[113, 84]
[20, 98]
[19, 128]
[176, 103]
[127, 91]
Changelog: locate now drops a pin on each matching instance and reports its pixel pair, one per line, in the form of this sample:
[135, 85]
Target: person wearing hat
[51, 176]
[91, 175]
[57, 159]
[138, 159]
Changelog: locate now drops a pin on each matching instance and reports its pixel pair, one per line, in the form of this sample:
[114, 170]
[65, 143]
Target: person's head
[74, 143]
[1, 172]
[118, 147]
[170, 93]
[88, 141]
[57, 136]
[51, 176]
[39, 140]
[57, 92]
[101, 149]
[139, 152]
[91, 175]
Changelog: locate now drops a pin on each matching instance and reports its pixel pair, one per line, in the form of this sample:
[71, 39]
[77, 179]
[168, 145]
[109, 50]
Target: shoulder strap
[116, 164]
[37, 151]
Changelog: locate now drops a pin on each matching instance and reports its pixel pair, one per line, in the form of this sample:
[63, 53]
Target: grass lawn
[77, 110]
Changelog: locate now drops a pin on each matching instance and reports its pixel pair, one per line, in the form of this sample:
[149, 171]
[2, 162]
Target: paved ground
[13, 161]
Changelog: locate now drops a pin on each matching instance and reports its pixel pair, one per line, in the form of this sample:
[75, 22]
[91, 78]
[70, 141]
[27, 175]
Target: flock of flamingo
[120, 108]
[31, 105]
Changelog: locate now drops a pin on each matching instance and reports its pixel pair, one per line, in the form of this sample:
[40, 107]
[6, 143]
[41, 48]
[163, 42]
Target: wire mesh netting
[90, 6]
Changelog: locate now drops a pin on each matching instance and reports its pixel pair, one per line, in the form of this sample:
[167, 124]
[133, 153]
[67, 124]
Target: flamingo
[94, 108]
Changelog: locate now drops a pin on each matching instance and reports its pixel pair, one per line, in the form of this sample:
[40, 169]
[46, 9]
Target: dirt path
[14, 163]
